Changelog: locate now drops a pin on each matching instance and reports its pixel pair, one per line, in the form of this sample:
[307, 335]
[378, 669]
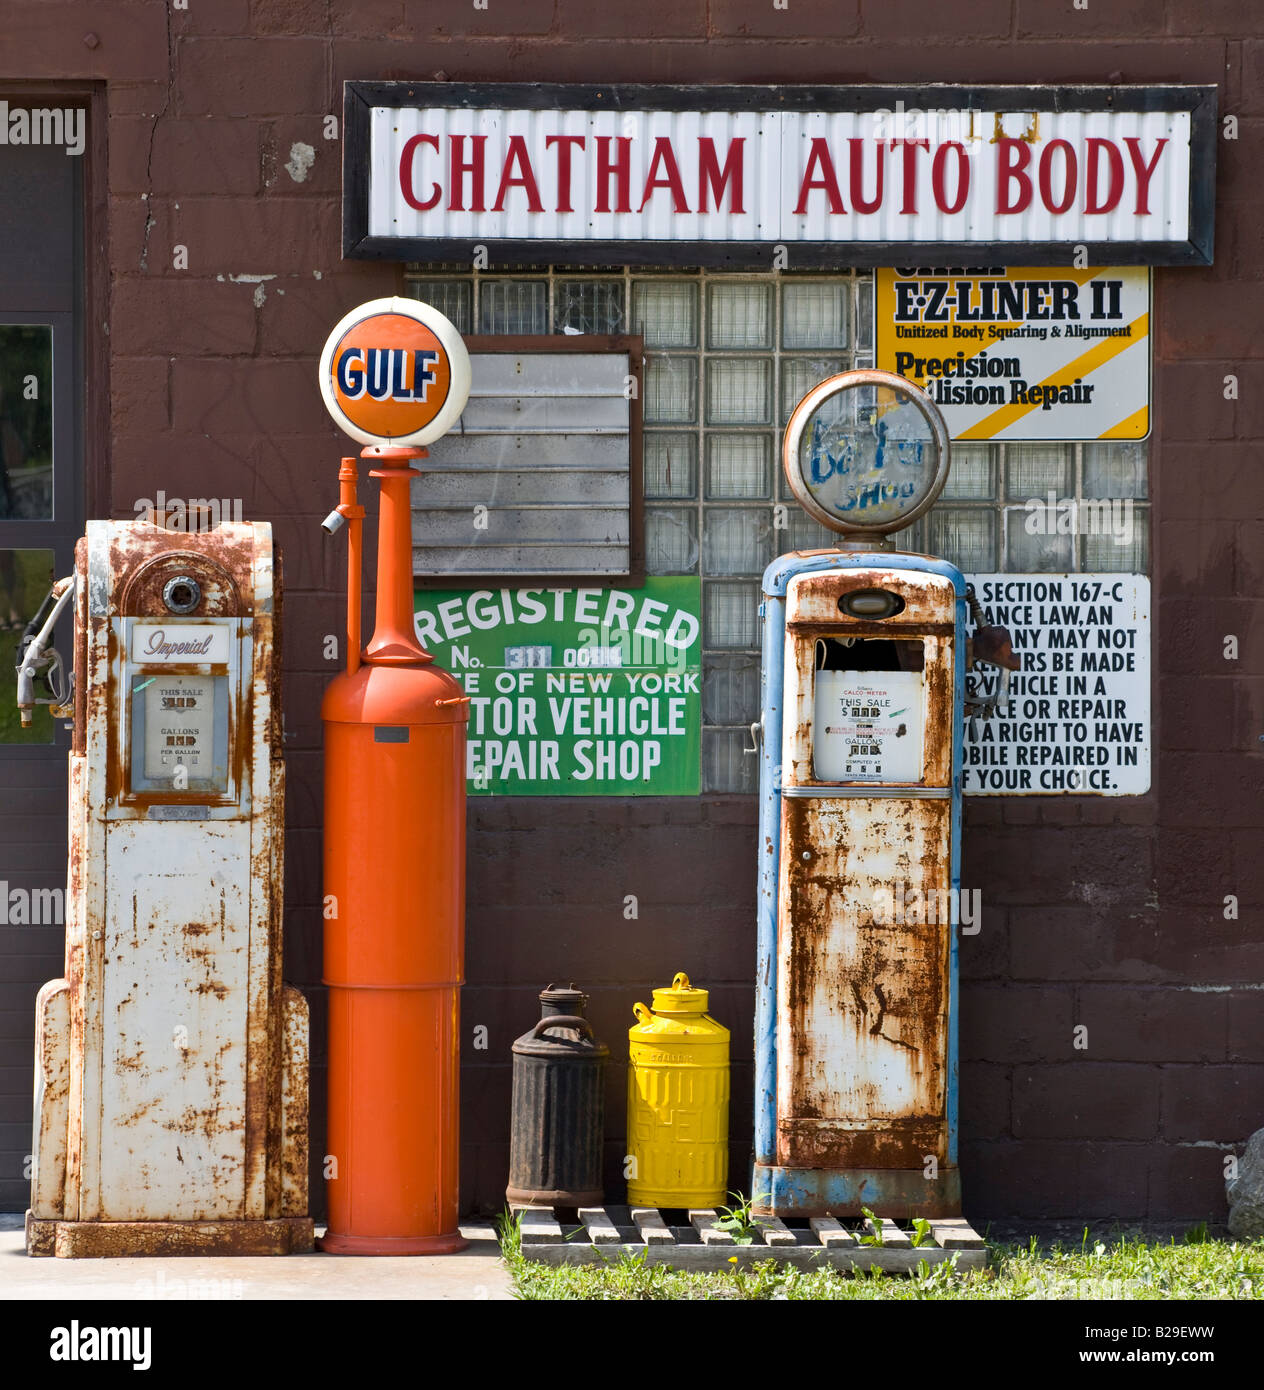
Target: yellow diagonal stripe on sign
[991, 425]
[1081, 277]
[1134, 426]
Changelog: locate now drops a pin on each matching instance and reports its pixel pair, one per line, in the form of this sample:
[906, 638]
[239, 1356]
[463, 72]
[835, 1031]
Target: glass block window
[816, 316]
[1115, 470]
[965, 536]
[671, 540]
[513, 307]
[1034, 470]
[737, 540]
[1044, 508]
[727, 358]
[739, 391]
[588, 306]
[739, 314]
[454, 299]
[739, 466]
[671, 390]
[671, 464]
[799, 375]
[665, 313]
[972, 475]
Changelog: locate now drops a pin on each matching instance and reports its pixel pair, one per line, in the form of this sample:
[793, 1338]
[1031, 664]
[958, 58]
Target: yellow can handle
[643, 1015]
[681, 981]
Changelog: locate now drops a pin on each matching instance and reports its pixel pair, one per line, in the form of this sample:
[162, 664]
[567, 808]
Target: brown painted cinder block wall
[1102, 913]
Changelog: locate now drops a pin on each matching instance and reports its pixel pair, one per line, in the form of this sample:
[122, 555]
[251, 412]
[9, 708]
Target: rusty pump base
[99, 1240]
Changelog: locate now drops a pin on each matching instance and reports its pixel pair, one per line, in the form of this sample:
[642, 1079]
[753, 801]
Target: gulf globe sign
[395, 371]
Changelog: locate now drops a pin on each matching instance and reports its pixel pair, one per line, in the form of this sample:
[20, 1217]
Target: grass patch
[1119, 1266]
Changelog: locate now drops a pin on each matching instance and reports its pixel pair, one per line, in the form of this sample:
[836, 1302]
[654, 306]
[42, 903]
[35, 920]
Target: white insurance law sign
[778, 175]
[1078, 717]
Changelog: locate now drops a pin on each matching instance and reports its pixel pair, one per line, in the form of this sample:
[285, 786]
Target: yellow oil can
[678, 1101]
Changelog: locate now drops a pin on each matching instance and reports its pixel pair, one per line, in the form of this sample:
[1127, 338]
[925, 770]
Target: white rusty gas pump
[171, 1061]
[864, 660]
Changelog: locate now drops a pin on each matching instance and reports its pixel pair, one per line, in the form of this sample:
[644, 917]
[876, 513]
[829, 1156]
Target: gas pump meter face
[868, 724]
[180, 686]
[866, 452]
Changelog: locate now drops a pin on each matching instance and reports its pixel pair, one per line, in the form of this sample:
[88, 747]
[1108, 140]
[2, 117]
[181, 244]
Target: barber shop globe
[866, 452]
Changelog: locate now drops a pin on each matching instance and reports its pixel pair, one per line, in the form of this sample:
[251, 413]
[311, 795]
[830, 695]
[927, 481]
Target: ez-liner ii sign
[745, 175]
[1048, 353]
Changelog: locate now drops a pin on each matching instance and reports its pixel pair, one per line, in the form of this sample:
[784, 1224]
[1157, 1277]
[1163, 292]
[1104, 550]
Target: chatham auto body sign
[1038, 175]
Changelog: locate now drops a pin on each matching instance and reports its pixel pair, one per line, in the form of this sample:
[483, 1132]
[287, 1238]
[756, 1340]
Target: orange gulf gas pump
[395, 375]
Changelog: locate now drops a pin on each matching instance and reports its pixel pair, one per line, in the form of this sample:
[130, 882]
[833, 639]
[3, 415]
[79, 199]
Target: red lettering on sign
[1097, 148]
[1143, 171]
[712, 179]
[856, 169]
[1070, 174]
[618, 168]
[517, 154]
[909, 171]
[1012, 159]
[939, 178]
[819, 157]
[564, 143]
[406, 173]
[664, 156]
[457, 170]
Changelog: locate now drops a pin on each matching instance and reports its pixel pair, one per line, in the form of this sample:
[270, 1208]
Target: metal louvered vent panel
[535, 479]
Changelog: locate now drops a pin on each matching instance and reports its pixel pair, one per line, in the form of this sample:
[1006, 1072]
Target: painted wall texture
[1106, 913]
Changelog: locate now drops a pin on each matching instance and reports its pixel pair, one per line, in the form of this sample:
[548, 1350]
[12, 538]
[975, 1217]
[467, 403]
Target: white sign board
[1078, 717]
[776, 176]
[433, 166]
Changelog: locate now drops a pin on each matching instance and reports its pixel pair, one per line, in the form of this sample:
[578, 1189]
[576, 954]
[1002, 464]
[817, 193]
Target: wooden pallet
[606, 1233]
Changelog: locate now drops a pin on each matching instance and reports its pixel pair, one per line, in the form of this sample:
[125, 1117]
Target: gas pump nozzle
[349, 509]
[33, 661]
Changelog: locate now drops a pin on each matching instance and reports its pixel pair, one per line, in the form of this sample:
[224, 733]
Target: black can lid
[563, 999]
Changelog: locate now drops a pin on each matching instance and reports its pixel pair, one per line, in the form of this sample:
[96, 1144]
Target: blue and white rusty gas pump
[864, 664]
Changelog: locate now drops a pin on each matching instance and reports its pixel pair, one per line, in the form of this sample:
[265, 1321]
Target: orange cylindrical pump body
[394, 928]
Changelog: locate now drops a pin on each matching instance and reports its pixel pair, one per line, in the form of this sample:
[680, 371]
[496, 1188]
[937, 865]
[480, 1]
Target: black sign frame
[360, 97]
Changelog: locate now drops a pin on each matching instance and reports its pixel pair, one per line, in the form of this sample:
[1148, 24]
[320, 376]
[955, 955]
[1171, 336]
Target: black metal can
[558, 1118]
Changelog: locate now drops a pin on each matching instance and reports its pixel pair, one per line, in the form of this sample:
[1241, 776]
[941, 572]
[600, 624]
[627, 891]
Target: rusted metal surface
[861, 1052]
[184, 1058]
[102, 1240]
[294, 1104]
[52, 1097]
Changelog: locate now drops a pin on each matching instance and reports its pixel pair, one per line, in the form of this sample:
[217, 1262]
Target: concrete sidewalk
[476, 1273]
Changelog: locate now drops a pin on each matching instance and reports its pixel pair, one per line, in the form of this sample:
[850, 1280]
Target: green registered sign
[575, 692]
